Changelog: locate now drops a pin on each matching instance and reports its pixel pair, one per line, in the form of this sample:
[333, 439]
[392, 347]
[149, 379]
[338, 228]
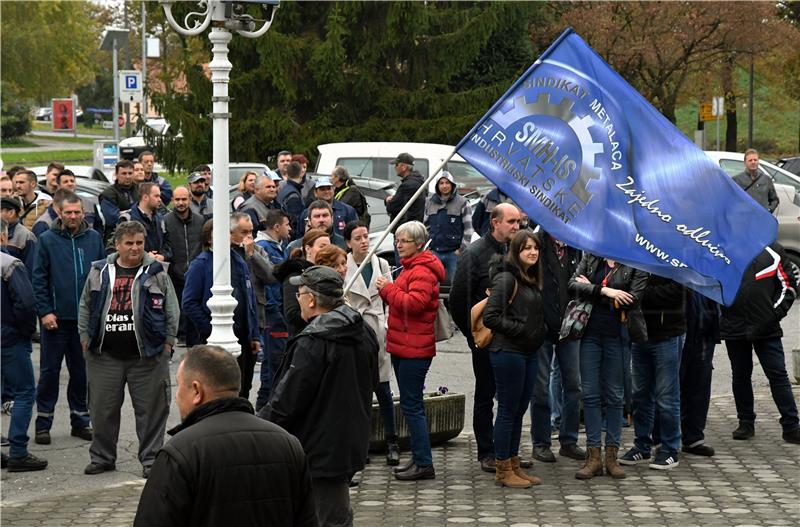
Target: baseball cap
[323, 181]
[194, 177]
[406, 158]
[10, 203]
[273, 175]
[322, 280]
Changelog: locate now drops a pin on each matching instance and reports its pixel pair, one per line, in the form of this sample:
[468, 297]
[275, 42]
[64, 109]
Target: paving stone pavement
[747, 483]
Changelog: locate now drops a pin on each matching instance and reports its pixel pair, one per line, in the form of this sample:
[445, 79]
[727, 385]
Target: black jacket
[407, 188]
[184, 243]
[225, 466]
[765, 296]
[291, 309]
[472, 280]
[323, 392]
[518, 327]
[555, 288]
[664, 308]
[351, 195]
[627, 279]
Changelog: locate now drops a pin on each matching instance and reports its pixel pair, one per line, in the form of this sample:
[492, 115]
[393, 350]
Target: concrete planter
[445, 415]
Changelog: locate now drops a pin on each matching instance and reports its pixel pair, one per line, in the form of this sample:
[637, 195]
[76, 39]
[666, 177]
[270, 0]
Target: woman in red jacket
[413, 301]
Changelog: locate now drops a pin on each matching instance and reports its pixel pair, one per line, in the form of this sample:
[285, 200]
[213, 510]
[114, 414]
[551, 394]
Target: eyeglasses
[299, 294]
[402, 242]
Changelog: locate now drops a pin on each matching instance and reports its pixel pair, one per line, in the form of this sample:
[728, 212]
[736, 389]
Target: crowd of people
[113, 288]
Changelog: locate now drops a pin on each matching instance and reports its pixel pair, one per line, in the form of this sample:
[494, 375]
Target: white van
[373, 160]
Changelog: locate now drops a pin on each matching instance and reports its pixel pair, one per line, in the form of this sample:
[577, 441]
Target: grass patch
[47, 126]
[44, 157]
[67, 139]
[19, 143]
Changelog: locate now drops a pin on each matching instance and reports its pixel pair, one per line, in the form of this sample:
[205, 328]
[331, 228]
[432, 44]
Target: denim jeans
[557, 392]
[697, 360]
[17, 375]
[656, 384]
[410, 374]
[56, 346]
[274, 339]
[483, 403]
[566, 354]
[770, 354]
[602, 380]
[386, 405]
[514, 376]
[449, 260]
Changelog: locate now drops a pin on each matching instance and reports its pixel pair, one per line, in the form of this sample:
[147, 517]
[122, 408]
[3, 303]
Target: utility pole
[127, 67]
[143, 113]
[750, 108]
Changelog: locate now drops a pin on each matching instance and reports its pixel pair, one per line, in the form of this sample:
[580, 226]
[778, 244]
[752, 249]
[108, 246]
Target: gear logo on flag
[521, 108]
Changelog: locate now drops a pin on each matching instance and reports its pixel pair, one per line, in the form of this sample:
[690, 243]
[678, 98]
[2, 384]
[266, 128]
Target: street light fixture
[223, 16]
[113, 39]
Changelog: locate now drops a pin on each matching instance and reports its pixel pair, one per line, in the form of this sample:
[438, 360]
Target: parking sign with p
[130, 86]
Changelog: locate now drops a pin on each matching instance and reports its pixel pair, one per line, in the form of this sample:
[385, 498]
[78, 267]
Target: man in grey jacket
[757, 183]
[127, 322]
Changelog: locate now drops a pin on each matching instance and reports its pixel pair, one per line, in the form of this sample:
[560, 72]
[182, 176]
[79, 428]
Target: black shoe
[3, 461]
[699, 450]
[415, 473]
[488, 464]
[744, 431]
[98, 468]
[42, 437]
[393, 455]
[146, 471]
[29, 463]
[792, 437]
[572, 451]
[405, 467]
[83, 433]
[543, 453]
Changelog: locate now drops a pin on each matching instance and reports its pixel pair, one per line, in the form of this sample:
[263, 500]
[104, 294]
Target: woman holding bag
[413, 301]
[514, 314]
[365, 298]
[615, 319]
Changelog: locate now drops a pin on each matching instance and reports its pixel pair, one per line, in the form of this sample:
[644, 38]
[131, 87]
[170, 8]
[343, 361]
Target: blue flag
[593, 163]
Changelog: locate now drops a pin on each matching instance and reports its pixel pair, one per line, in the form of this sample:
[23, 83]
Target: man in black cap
[21, 242]
[323, 391]
[411, 181]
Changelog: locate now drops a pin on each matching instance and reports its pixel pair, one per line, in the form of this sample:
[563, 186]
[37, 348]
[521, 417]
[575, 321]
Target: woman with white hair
[413, 301]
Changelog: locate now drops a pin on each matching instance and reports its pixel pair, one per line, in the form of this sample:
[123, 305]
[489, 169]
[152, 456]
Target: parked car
[131, 147]
[81, 172]
[787, 213]
[372, 160]
[88, 190]
[237, 170]
[45, 113]
[790, 164]
[733, 164]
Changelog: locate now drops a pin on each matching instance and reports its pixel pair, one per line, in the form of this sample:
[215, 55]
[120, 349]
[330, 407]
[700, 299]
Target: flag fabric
[599, 168]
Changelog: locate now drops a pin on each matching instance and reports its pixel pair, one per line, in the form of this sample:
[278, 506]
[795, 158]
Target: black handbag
[576, 318]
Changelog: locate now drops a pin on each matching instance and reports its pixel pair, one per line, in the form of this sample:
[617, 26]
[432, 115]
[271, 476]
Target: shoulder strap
[514, 294]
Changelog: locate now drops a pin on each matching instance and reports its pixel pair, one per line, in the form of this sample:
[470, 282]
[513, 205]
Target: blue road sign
[131, 82]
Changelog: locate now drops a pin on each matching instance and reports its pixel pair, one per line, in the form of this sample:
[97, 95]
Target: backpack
[481, 335]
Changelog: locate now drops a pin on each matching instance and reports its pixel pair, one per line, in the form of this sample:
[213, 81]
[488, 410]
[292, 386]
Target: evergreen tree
[358, 71]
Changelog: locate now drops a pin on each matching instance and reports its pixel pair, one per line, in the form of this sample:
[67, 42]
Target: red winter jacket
[413, 301]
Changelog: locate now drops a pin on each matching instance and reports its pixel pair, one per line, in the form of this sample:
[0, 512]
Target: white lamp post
[223, 16]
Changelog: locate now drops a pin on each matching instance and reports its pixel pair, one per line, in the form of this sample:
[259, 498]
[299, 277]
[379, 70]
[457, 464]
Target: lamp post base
[222, 305]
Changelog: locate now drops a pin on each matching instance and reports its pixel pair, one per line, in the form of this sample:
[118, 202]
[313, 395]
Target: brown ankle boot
[505, 477]
[612, 465]
[593, 466]
[516, 469]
